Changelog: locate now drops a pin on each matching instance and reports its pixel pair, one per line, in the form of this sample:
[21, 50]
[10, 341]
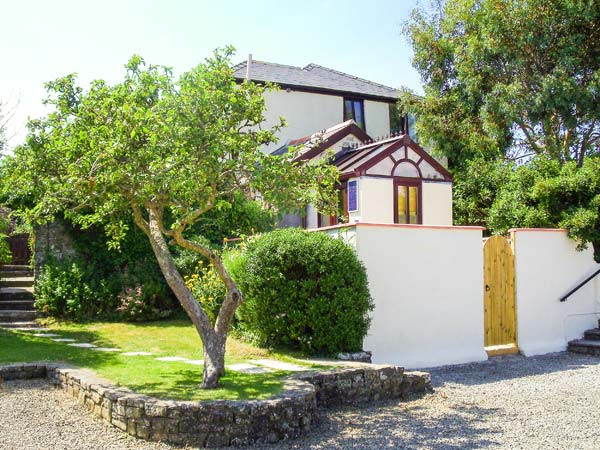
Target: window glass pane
[348, 112]
[358, 114]
[411, 127]
[413, 204]
[401, 205]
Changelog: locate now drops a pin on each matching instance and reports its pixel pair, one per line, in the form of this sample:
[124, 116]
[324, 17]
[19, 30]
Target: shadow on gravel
[510, 367]
[404, 425]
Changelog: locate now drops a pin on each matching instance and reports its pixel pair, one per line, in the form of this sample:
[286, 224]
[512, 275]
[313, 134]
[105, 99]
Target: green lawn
[175, 380]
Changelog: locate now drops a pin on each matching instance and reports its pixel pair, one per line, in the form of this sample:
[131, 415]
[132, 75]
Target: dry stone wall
[222, 423]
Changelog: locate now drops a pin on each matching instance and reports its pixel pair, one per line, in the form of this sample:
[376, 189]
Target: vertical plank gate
[19, 247]
[500, 321]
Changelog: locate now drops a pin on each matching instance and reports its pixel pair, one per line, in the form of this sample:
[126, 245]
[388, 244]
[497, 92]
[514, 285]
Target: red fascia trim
[561, 230]
[400, 225]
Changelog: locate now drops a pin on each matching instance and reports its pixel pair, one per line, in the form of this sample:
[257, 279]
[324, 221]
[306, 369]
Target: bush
[72, 289]
[62, 290]
[306, 291]
[208, 289]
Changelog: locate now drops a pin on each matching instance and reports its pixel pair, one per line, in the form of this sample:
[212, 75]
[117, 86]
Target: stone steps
[589, 345]
[17, 282]
[15, 315]
[19, 305]
[17, 309]
[16, 293]
[24, 325]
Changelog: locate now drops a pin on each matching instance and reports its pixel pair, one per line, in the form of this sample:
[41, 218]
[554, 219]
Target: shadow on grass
[186, 385]
[18, 346]
[174, 380]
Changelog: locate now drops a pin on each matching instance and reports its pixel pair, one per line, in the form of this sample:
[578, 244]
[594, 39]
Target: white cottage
[392, 180]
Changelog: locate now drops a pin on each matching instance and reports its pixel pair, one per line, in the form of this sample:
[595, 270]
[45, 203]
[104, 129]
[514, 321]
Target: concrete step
[15, 274]
[585, 346]
[16, 293]
[20, 325]
[16, 282]
[592, 335]
[14, 315]
[17, 305]
[13, 267]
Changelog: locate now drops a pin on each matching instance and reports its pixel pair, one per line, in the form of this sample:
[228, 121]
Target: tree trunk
[214, 362]
[213, 340]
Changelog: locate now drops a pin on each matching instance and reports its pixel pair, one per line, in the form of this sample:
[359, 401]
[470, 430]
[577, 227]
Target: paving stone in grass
[46, 335]
[64, 340]
[83, 345]
[106, 349]
[195, 362]
[137, 354]
[248, 368]
[171, 358]
[279, 365]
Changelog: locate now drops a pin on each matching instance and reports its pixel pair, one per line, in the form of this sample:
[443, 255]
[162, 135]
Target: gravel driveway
[550, 401]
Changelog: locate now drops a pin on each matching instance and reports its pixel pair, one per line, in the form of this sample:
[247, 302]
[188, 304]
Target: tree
[508, 80]
[507, 77]
[166, 151]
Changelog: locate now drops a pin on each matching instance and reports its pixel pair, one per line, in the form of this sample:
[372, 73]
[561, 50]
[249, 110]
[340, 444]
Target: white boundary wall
[427, 285]
[547, 266]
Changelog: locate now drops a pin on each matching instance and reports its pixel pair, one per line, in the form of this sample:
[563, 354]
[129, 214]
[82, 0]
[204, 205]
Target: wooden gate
[500, 319]
[19, 247]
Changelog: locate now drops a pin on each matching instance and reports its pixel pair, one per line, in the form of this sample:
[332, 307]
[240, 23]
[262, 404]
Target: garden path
[257, 366]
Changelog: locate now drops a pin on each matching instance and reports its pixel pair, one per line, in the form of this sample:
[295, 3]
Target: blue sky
[42, 40]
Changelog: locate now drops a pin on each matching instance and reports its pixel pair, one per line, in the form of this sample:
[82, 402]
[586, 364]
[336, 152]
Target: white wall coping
[399, 225]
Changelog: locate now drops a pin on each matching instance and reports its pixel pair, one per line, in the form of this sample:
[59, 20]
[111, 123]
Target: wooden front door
[500, 318]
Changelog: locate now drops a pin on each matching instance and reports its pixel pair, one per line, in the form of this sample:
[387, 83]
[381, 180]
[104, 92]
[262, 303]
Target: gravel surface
[550, 401]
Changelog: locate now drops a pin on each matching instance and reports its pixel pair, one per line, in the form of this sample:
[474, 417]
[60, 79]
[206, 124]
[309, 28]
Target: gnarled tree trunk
[214, 338]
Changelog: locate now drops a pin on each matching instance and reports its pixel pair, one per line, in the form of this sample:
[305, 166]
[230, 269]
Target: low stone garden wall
[221, 423]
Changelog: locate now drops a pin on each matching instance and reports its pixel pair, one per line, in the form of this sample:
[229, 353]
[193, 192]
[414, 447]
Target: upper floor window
[354, 109]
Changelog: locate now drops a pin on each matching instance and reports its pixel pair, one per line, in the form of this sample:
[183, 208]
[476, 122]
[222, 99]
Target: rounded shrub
[302, 290]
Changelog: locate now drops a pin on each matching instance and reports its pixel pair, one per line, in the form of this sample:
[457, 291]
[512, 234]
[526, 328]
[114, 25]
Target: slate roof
[316, 143]
[314, 77]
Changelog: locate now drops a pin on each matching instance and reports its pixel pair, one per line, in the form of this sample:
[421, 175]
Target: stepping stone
[64, 340]
[137, 354]
[83, 345]
[106, 349]
[248, 368]
[195, 362]
[280, 365]
[46, 335]
[171, 358]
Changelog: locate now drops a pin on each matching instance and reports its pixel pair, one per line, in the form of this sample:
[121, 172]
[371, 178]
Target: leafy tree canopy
[166, 151]
[508, 77]
[512, 99]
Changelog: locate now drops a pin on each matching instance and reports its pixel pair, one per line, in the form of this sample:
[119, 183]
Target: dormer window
[354, 109]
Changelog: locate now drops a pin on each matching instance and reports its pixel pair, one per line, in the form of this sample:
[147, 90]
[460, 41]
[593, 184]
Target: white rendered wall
[377, 118]
[547, 266]
[375, 201]
[437, 203]
[427, 284]
[305, 113]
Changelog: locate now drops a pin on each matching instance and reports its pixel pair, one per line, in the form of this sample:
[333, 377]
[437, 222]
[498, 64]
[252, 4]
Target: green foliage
[5, 253]
[512, 98]
[208, 289]
[306, 291]
[238, 218]
[507, 77]
[63, 290]
[178, 147]
[104, 280]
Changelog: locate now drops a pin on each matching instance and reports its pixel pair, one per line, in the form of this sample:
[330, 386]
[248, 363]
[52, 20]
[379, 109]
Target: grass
[174, 380]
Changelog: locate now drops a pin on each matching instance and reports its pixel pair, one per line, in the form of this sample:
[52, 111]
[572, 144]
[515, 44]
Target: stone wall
[51, 239]
[221, 423]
